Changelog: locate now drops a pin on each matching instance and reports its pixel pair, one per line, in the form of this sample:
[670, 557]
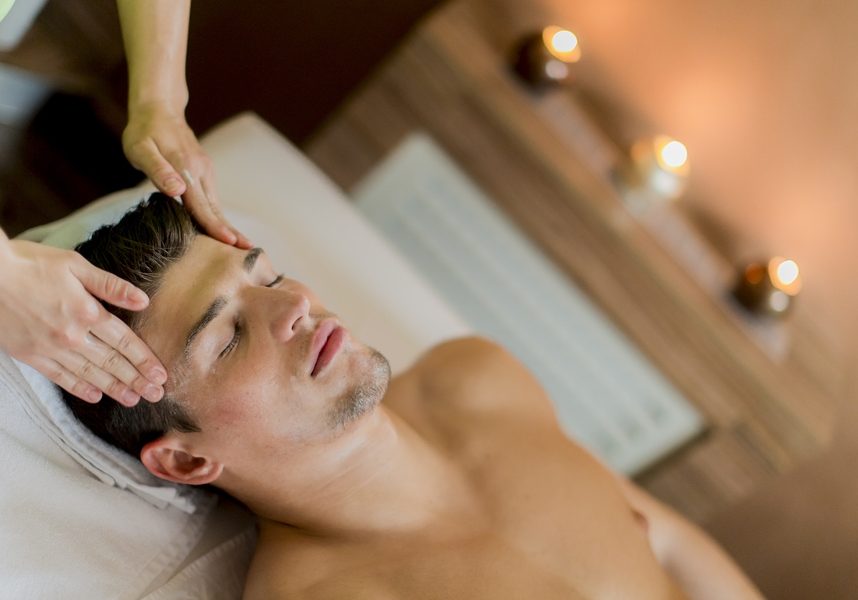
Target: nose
[292, 306]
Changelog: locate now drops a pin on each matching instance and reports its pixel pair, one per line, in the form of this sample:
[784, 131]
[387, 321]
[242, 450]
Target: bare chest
[554, 526]
[551, 521]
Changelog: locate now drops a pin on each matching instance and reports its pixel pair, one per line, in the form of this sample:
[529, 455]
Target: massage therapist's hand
[160, 143]
[51, 320]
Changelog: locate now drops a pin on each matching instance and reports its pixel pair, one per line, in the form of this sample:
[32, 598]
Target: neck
[382, 478]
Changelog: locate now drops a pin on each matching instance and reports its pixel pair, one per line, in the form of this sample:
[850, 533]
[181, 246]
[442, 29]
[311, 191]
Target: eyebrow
[250, 258]
[217, 305]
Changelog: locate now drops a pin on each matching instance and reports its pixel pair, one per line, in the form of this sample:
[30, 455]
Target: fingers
[163, 146]
[201, 200]
[113, 363]
[89, 372]
[66, 379]
[100, 366]
[119, 337]
[109, 287]
[240, 240]
[146, 156]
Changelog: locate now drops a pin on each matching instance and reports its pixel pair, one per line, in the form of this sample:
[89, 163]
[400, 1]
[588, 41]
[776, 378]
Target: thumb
[109, 287]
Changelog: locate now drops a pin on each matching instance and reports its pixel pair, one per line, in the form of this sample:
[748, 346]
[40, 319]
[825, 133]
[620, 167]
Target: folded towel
[64, 533]
[44, 405]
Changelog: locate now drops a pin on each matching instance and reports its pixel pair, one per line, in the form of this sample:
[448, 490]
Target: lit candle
[545, 58]
[660, 166]
[768, 288]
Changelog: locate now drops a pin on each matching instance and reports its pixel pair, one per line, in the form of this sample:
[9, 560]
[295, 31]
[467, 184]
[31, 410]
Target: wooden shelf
[547, 168]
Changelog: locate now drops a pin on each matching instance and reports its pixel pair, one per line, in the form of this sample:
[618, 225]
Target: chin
[368, 388]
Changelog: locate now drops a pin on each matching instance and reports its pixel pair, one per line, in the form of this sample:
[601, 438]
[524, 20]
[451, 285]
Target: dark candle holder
[545, 59]
[768, 288]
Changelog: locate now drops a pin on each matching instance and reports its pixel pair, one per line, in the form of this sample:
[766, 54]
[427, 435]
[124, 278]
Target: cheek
[241, 399]
[253, 396]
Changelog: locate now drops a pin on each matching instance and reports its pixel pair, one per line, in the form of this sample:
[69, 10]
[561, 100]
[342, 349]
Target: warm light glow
[784, 274]
[562, 44]
[564, 41]
[670, 154]
[661, 164]
[788, 271]
[674, 154]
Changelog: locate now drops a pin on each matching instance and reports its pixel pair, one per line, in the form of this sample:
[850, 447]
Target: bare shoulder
[464, 360]
[470, 348]
[479, 374]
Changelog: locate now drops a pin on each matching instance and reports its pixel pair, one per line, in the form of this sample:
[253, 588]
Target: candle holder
[768, 288]
[656, 172]
[661, 165]
[545, 59]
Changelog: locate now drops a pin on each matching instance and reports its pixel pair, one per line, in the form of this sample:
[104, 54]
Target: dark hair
[139, 248]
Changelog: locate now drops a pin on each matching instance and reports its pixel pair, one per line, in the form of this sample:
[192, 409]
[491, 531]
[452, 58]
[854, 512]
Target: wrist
[141, 105]
[143, 110]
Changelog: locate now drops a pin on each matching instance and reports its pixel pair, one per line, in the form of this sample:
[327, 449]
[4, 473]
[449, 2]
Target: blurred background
[763, 94]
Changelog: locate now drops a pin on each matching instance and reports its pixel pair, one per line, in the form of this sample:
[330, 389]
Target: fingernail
[93, 395]
[157, 375]
[152, 393]
[129, 398]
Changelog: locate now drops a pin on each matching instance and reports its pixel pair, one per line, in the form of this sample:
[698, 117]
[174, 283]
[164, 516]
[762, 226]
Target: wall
[764, 94]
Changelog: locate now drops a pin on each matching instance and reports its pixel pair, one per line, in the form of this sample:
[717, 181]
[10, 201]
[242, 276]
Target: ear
[168, 459]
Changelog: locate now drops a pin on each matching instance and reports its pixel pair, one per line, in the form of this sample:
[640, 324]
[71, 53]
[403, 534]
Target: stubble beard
[365, 395]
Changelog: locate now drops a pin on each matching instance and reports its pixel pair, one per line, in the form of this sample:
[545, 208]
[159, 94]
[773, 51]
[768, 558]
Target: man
[452, 480]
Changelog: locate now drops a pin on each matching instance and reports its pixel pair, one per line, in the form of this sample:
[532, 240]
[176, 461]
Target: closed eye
[236, 336]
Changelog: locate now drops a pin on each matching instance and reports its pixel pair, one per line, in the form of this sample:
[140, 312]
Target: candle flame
[788, 271]
[674, 154]
[564, 41]
[785, 275]
[562, 44]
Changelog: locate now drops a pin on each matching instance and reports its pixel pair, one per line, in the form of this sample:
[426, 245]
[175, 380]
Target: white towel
[63, 532]
[44, 405]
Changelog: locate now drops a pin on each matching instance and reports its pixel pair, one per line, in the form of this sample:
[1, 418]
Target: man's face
[241, 344]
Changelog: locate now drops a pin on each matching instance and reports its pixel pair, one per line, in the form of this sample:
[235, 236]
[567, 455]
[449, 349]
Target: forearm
[155, 34]
[695, 562]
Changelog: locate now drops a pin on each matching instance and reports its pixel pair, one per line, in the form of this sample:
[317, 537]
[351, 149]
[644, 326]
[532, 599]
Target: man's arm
[696, 563]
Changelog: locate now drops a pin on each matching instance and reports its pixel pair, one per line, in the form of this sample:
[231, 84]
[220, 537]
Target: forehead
[187, 289]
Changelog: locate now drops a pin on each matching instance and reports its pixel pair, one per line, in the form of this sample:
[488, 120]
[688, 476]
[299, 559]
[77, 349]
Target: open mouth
[327, 342]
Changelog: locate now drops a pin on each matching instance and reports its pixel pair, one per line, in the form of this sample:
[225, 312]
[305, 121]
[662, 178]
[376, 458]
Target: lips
[327, 342]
